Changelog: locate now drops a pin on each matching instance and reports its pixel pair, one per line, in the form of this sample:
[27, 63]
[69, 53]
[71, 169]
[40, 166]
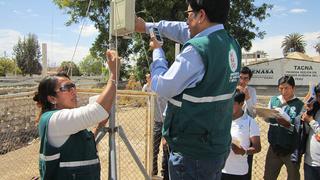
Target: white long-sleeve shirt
[66, 122]
[312, 155]
[249, 104]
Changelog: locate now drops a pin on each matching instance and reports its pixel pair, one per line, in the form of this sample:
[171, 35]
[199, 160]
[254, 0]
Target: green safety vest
[198, 121]
[76, 159]
[284, 140]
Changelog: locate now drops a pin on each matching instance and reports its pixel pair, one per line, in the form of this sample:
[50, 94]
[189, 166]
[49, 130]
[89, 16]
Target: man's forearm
[173, 30]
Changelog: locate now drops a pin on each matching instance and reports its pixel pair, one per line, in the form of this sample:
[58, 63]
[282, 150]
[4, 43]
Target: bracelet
[245, 152]
[112, 81]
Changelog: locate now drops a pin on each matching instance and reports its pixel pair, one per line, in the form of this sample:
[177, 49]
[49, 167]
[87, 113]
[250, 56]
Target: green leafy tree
[70, 68]
[293, 43]
[91, 66]
[27, 55]
[241, 25]
[6, 66]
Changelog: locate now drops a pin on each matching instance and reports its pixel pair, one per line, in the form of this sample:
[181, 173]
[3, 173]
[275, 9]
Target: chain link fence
[135, 112]
[20, 145]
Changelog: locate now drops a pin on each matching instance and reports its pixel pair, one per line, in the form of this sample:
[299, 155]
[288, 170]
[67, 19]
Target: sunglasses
[67, 87]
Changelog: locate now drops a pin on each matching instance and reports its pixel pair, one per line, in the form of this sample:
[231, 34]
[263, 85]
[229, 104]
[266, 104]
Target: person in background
[249, 103]
[250, 92]
[147, 86]
[199, 85]
[67, 148]
[312, 155]
[244, 131]
[160, 105]
[282, 135]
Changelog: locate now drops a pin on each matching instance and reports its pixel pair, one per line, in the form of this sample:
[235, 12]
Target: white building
[303, 68]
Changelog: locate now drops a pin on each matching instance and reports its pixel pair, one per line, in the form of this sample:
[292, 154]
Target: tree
[27, 55]
[293, 43]
[241, 25]
[317, 47]
[91, 66]
[241, 21]
[70, 68]
[6, 66]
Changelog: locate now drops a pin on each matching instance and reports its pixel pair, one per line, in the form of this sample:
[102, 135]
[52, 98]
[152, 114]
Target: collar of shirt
[210, 30]
[283, 101]
[244, 115]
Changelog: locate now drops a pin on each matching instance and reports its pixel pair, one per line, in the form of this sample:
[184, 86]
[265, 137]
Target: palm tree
[293, 43]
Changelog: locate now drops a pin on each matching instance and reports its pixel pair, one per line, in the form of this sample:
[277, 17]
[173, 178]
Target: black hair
[317, 88]
[36, 97]
[47, 88]
[246, 70]
[239, 96]
[216, 10]
[286, 79]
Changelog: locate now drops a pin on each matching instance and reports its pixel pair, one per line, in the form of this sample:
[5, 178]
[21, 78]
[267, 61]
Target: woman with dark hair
[283, 134]
[68, 149]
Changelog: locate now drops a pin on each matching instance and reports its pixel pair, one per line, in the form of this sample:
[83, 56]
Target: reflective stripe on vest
[175, 102]
[79, 163]
[207, 99]
[201, 99]
[50, 158]
[291, 128]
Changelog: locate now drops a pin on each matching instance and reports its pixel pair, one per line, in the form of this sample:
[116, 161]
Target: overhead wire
[78, 39]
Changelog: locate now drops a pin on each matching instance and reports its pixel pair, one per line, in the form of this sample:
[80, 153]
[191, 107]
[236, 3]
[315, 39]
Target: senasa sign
[268, 72]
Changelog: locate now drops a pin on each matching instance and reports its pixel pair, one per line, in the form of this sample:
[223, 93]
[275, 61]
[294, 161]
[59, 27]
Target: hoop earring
[54, 104]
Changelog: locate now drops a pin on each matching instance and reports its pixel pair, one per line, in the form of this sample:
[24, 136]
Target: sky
[47, 21]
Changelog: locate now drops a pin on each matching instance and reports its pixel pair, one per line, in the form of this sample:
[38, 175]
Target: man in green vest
[283, 135]
[199, 86]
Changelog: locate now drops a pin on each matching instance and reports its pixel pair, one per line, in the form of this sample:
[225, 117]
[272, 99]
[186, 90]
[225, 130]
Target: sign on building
[268, 72]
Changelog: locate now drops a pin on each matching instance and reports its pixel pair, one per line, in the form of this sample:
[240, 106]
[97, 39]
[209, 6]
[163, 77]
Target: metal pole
[112, 142]
[112, 146]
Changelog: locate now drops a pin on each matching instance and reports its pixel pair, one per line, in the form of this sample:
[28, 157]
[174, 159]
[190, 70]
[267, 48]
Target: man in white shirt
[157, 134]
[250, 92]
[244, 130]
[250, 101]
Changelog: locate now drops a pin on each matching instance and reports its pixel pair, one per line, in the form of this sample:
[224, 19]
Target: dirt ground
[23, 163]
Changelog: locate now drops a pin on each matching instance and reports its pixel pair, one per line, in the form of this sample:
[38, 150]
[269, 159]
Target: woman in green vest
[68, 149]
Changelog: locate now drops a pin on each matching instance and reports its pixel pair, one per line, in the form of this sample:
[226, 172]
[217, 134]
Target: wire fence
[135, 112]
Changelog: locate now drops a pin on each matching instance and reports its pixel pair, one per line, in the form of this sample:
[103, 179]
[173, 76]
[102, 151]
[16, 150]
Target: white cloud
[26, 13]
[272, 45]
[8, 38]
[56, 51]
[88, 30]
[298, 11]
[17, 12]
[279, 11]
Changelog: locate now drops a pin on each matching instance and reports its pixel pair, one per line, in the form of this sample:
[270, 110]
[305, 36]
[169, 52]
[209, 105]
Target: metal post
[112, 124]
[112, 146]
